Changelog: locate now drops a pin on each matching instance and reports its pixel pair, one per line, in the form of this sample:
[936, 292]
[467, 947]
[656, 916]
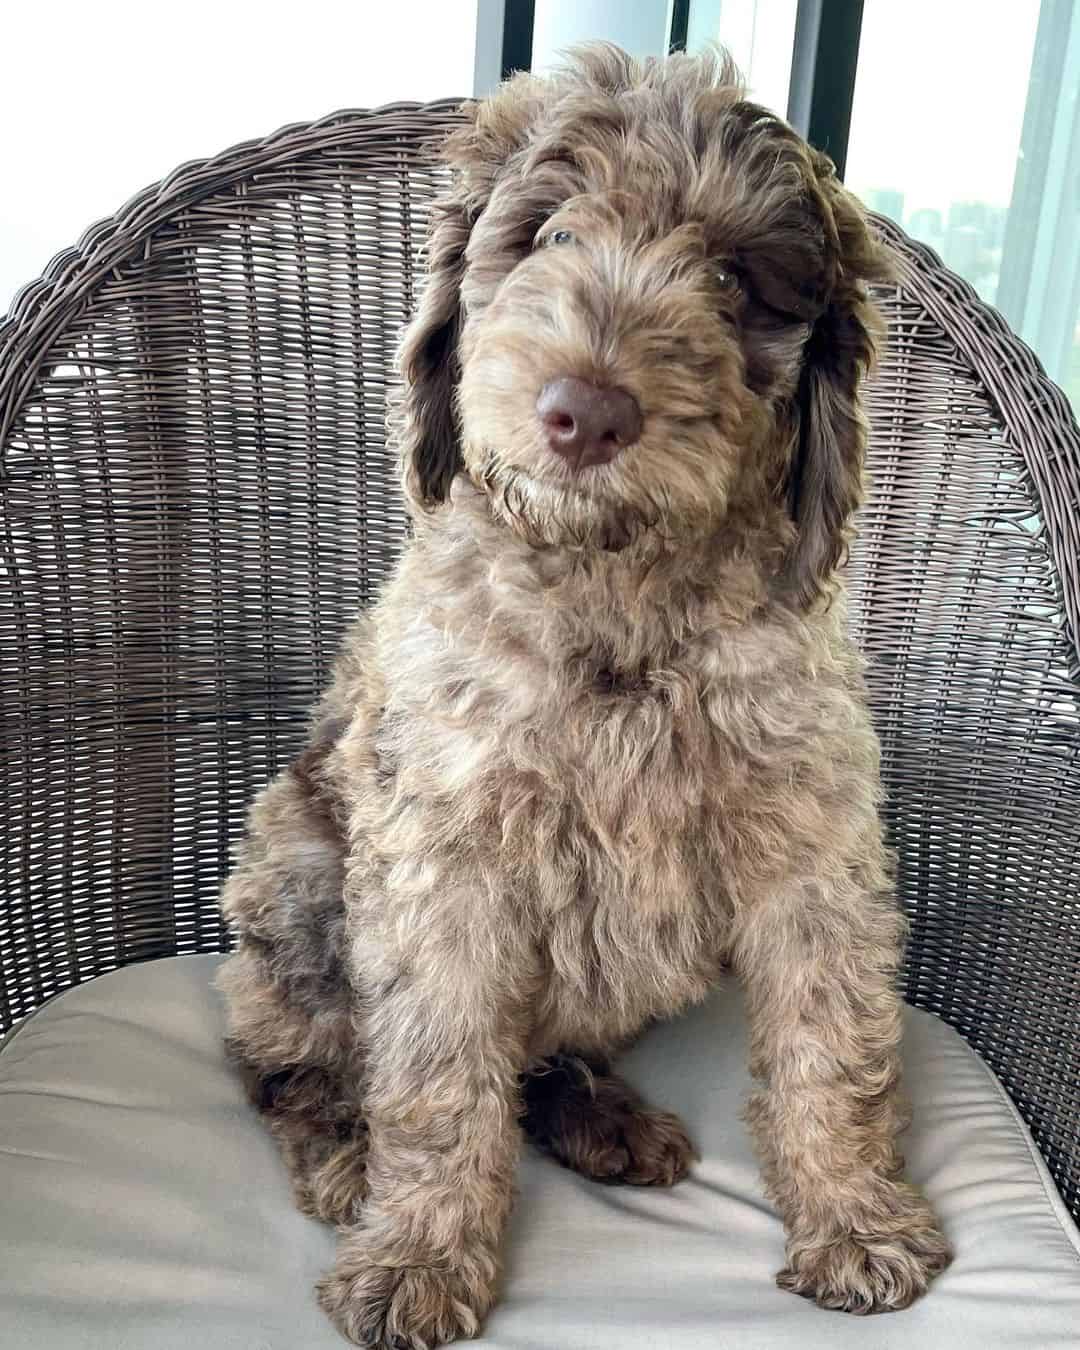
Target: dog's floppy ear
[826, 478]
[430, 443]
[477, 152]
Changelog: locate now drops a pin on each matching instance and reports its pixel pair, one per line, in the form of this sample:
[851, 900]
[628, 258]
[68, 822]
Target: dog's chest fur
[604, 751]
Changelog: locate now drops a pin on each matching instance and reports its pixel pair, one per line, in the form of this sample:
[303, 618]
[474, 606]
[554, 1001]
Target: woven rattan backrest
[197, 494]
[964, 596]
[197, 497]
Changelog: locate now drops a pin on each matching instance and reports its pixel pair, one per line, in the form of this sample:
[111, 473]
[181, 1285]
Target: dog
[602, 736]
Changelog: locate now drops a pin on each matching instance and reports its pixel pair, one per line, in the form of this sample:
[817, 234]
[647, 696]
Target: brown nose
[586, 424]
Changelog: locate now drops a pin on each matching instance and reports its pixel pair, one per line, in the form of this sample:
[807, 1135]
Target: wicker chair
[197, 494]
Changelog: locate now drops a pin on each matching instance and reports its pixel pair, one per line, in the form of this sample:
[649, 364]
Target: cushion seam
[13, 1033]
[1054, 1201]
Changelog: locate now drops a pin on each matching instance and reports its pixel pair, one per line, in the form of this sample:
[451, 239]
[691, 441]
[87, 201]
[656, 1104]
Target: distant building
[973, 244]
[963, 249]
[928, 225]
[969, 214]
[887, 202]
[996, 220]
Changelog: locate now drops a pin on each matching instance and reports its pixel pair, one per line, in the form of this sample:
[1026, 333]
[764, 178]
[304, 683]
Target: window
[966, 130]
[641, 27]
[965, 125]
[759, 34]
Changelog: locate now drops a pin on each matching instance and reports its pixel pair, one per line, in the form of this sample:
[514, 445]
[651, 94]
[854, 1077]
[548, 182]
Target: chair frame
[37, 925]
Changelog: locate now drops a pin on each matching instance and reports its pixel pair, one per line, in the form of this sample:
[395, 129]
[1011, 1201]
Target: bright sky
[939, 98]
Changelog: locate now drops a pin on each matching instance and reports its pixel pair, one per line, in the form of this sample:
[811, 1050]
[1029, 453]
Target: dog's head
[645, 311]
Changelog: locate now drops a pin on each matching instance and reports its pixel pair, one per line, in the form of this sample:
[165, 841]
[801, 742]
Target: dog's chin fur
[560, 512]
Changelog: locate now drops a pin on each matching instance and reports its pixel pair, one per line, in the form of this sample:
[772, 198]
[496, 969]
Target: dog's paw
[636, 1147]
[402, 1307]
[600, 1127]
[655, 1150]
[865, 1272]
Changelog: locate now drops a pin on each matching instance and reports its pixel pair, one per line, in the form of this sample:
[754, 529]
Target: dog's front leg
[446, 1029]
[819, 963]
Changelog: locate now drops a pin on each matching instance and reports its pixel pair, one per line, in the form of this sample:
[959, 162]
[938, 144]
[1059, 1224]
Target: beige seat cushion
[143, 1206]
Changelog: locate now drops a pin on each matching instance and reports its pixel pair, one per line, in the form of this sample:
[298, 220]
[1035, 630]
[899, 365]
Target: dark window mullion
[517, 41]
[680, 25]
[823, 66]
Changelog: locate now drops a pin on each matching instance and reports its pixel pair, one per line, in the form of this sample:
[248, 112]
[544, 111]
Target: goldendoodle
[603, 734]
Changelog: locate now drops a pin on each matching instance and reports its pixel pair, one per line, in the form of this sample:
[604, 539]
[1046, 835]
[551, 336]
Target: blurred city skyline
[969, 236]
[965, 129]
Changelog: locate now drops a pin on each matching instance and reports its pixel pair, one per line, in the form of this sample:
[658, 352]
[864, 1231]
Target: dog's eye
[726, 279]
[559, 237]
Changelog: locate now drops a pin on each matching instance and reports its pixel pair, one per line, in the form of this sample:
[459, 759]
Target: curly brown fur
[603, 732]
[320, 1129]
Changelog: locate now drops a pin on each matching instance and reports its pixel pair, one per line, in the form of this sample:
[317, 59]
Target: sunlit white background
[97, 100]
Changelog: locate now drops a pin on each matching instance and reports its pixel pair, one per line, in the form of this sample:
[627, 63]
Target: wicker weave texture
[197, 494]
[964, 598]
